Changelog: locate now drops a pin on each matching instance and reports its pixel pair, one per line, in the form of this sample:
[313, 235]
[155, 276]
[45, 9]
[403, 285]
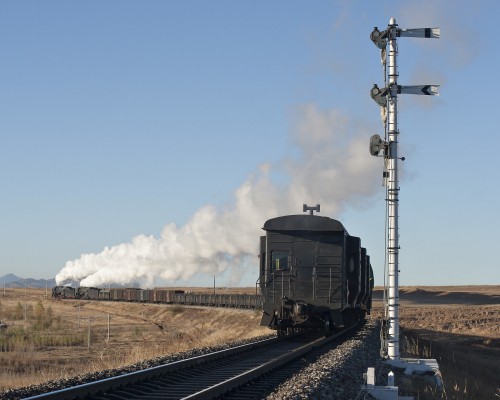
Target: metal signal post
[387, 98]
[393, 197]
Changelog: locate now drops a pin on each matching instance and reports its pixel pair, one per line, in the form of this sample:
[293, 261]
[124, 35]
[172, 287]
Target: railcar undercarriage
[294, 316]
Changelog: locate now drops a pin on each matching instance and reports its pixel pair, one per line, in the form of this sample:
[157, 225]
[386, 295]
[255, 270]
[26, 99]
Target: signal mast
[387, 99]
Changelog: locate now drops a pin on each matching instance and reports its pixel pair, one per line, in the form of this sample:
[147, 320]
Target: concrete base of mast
[411, 366]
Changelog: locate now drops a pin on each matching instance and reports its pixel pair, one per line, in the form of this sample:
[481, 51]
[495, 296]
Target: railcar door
[328, 274]
[279, 267]
[304, 260]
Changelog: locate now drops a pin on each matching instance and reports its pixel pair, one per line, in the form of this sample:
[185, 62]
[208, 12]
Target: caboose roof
[303, 223]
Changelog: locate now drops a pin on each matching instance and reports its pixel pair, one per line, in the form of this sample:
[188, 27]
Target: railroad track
[204, 377]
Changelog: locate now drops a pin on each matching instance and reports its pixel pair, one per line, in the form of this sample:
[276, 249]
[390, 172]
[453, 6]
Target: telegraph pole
[387, 98]
[89, 330]
[109, 320]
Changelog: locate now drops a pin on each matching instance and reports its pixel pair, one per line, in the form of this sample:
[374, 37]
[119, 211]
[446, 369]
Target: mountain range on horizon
[14, 281]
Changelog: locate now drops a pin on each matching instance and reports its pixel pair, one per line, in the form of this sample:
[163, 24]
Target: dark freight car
[166, 295]
[146, 295]
[116, 294]
[132, 294]
[87, 293]
[63, 292]
[313, 274]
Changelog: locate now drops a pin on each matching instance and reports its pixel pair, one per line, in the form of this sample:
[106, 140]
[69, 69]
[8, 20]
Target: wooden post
[88, 343]
[109, 319]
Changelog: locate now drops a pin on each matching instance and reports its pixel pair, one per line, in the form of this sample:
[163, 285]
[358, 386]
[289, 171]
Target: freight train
[160, 296]
[313, 275]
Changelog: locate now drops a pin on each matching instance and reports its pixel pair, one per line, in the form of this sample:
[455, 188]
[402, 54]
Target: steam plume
[332, 167]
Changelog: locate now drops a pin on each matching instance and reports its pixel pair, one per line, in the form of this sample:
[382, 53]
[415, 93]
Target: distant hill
[9, 278]
[13, 281]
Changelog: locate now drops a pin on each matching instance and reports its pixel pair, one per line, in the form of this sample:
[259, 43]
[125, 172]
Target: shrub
[18, 312]
[43, 317]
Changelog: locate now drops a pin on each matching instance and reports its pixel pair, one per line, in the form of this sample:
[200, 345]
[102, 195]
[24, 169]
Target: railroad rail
[204, 377]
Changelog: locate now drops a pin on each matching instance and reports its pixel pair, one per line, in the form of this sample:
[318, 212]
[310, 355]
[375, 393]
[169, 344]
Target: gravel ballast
[337, 374]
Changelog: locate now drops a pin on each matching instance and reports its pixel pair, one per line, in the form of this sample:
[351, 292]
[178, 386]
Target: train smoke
[332, 166]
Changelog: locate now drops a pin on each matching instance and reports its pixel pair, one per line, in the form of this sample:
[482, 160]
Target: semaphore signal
[381, 38]
[379, 94]
[387, 98]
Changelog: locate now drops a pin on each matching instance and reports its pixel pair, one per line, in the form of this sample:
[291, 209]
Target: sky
[148, 141]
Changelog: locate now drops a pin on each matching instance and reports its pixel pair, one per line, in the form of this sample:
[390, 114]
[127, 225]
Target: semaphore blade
[433, 33]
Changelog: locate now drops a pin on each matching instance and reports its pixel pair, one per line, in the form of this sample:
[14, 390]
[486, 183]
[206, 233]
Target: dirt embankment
[46, 339]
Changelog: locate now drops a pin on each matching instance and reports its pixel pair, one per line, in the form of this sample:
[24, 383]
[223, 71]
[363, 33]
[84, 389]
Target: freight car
[117, 294]
[160, 296]
[220, 300]
[313, 275]
[87, 293]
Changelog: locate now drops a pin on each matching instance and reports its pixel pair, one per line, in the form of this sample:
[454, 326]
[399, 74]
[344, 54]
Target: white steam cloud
[332, 167]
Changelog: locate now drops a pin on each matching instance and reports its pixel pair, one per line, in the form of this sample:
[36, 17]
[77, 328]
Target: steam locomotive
[313, 275]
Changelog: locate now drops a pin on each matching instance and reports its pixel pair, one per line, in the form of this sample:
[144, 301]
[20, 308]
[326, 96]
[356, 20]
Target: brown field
[459, 326]
[46, 344]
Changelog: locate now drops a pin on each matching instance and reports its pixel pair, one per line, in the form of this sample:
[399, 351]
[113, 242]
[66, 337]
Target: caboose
[313, 275]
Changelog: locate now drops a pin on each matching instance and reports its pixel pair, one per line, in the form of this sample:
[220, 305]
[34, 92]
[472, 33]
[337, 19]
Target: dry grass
[469, 364]
[460, 327]
[35, 352]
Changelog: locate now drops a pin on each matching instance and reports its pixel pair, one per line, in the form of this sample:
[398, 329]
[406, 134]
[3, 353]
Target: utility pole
[387, 99]
[89, 334]
[109, 320]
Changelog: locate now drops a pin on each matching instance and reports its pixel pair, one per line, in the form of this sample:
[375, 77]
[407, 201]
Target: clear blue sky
[118, 118]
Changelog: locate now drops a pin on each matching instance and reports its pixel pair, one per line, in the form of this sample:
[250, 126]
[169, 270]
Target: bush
[12, 338]
[43, 317]
[18, 312]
